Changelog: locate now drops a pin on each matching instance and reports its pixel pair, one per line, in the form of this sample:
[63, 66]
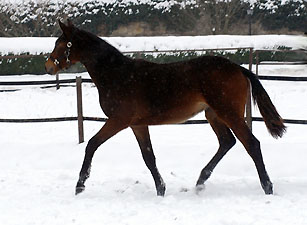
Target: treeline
[124, 18]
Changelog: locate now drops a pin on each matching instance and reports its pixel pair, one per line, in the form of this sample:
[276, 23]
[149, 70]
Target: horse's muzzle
[50, 67]
[49, 70]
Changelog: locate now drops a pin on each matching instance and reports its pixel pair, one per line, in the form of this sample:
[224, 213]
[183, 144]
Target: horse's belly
[183, 113]
[178, 114]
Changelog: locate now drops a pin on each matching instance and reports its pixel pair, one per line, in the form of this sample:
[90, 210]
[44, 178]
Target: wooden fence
[81, 118]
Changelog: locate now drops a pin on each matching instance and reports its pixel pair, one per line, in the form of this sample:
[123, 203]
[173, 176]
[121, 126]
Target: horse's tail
[272, 119]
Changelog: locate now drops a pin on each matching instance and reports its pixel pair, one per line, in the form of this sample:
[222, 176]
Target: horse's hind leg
[142, 135]
[226, 141]
[252, 146]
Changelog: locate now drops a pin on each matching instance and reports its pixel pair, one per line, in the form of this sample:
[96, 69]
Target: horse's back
[174, 92]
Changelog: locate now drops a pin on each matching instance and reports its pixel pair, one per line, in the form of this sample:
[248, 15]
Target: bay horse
[136, 93]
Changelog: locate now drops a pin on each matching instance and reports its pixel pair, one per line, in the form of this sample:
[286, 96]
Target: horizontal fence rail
[281, 78]
[74, 118]
[41, 82]
[88, 80]
[282, 63]
[39, 120]
[100, 119]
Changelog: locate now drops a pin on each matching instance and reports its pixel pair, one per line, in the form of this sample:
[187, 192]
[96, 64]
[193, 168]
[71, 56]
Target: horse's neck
[102, 53]
[100, 59]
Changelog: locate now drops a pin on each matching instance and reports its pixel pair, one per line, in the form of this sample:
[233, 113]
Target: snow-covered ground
[40, 162]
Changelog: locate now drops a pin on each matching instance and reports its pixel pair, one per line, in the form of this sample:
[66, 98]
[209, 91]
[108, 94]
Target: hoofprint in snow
[40, 162]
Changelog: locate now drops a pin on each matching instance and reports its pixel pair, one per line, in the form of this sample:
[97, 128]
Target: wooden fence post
[79, 109]
[248, 103]
[257, 62]
[57, 81]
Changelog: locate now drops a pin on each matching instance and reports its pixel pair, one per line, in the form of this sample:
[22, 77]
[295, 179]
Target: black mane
[104, 53]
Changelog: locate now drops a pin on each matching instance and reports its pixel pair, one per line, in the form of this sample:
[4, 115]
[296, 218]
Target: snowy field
[40, 163]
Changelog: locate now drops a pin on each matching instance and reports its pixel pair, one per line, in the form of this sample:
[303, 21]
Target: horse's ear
[69, 23]
[62, 25]
[67, 29]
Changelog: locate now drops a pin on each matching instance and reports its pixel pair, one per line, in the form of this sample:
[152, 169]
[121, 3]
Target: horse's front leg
[142, 135]
[110, 128]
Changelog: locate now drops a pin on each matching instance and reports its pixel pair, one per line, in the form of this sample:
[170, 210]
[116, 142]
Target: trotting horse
[137, 93]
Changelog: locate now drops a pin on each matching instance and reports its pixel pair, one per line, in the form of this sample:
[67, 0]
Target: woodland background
[153, 17]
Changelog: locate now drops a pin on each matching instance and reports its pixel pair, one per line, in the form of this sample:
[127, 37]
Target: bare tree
[220, 16]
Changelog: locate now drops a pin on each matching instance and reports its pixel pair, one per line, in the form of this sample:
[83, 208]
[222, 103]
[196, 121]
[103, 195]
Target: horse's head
[64, 53]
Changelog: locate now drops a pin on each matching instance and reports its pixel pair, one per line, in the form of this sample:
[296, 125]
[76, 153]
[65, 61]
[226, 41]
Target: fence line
[100, 119]
[88, 80]
[81, 118]
[258, 62]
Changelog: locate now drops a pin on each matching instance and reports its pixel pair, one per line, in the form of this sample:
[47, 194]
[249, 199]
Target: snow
[112, 1]
[21, 11]
[38, 45]
[40, 162]
[20, 8]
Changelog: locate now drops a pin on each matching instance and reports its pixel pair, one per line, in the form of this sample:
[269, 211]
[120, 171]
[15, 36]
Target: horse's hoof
[268, 188]
[79, 189]
[161, 191]
[199, 188]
